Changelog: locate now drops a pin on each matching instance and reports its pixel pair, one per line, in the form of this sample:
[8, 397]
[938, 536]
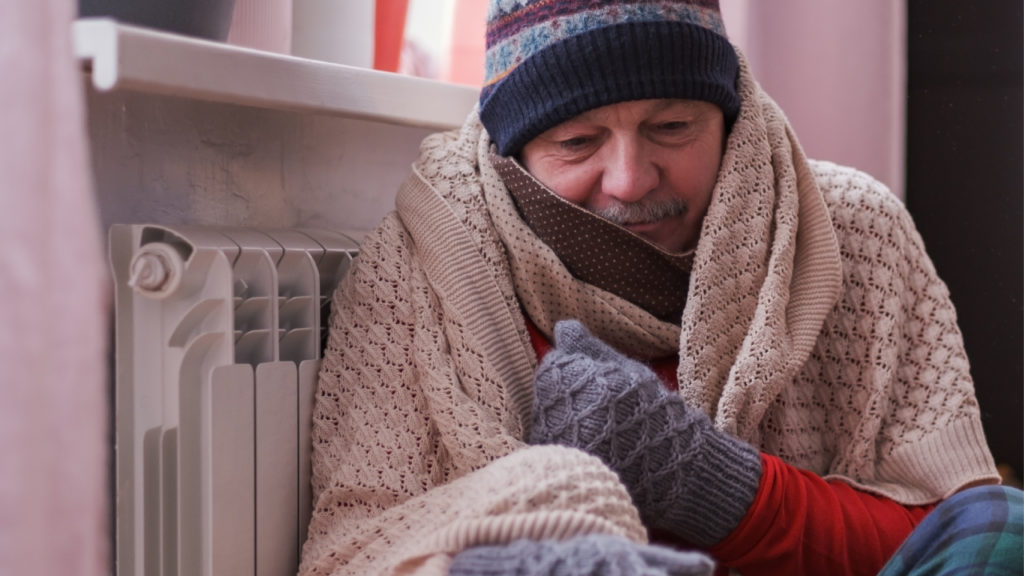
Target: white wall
[170, 160]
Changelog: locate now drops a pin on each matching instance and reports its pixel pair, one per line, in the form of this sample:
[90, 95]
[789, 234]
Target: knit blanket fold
[417, 450]
[815, 328]
[768, 237]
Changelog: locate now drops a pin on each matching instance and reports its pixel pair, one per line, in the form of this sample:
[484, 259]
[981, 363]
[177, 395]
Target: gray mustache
[641, 212]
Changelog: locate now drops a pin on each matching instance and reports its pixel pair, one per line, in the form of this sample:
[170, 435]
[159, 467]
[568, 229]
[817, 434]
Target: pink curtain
[53, 306]
[838, 69]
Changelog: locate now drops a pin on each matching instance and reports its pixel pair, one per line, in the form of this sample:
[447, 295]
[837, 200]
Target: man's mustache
[641, 212]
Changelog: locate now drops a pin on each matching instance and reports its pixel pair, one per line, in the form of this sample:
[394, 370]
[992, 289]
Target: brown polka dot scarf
[597, 251]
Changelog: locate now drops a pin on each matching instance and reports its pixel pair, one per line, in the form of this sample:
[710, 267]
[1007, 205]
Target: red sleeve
[801, 524]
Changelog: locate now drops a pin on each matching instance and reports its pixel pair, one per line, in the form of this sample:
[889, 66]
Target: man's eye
[674, 126]
[574, 143]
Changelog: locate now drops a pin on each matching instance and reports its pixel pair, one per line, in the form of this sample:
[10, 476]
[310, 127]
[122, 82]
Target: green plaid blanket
[977, 531]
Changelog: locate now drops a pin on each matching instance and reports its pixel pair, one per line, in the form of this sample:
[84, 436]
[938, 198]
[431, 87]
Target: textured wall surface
[172, 160]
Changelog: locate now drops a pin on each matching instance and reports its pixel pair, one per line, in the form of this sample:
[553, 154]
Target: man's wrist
[722, 482]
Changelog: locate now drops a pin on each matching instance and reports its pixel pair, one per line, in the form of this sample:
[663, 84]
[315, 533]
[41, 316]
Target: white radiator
[218, 339]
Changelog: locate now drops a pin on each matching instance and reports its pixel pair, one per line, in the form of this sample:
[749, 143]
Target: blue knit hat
[550, 60]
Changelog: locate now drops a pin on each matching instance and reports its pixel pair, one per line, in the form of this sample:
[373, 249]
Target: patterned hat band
[606, 65]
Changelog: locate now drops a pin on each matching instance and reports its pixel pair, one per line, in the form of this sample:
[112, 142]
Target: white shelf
[133, 58]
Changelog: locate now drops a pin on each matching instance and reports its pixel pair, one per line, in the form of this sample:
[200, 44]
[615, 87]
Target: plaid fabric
[978, 531]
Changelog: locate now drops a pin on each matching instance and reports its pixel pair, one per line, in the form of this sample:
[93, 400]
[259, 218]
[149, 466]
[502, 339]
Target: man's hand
[595, 555]
[684, 476]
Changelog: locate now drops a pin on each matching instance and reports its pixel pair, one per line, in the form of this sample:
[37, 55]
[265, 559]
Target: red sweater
[798, 522]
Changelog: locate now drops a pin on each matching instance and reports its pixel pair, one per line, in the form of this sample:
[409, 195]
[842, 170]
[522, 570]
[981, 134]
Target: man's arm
[802, 524]
[794, 523]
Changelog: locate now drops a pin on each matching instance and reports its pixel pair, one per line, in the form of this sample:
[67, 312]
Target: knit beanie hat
[550, 60]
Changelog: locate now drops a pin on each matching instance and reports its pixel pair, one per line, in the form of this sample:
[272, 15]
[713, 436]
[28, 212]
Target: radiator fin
[219, 332]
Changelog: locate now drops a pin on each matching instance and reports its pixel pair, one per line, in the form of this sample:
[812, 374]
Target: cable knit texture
[595, 555]
[815, 329]
[684, 476]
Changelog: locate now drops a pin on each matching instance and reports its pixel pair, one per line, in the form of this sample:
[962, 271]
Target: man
[626, 253]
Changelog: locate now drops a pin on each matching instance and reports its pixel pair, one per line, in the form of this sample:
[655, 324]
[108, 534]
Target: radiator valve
[156, 270]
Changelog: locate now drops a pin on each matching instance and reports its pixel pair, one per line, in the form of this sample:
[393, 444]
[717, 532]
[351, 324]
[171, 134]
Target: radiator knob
[156, 270]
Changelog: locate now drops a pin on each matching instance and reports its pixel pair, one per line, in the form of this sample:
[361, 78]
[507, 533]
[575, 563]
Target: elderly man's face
[649, 165]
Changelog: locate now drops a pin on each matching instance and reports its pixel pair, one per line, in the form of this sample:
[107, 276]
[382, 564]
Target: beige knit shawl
[815, 328]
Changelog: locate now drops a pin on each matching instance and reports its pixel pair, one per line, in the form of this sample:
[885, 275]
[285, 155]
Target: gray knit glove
[595, 555]
[684, 476]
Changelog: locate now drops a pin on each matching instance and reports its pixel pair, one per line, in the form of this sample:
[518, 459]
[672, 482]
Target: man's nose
[630, 172]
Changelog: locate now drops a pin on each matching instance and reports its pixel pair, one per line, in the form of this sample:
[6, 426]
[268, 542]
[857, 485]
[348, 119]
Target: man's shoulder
[388, 241]
[871, 223]
[853, 195]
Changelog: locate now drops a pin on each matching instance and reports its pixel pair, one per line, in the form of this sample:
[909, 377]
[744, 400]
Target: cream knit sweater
[815, 328]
